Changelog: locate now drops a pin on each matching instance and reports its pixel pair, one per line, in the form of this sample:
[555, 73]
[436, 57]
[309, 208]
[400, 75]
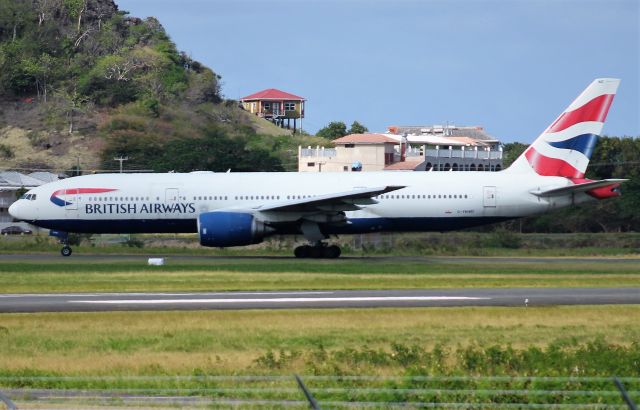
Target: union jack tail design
[565, 147]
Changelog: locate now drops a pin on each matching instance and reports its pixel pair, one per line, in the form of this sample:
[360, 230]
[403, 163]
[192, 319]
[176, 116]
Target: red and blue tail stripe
[584, 143]
[566, 146]
[595, 110]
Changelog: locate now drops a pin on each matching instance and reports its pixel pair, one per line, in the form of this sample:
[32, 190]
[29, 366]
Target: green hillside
[82, 82]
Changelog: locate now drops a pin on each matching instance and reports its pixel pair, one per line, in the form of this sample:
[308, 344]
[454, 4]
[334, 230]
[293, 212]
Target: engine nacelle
[223, 229]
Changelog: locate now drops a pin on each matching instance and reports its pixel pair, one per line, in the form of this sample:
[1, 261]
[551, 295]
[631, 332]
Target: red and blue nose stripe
[74, 191]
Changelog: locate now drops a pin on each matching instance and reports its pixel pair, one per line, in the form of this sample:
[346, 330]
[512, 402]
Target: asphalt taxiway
[523, 297]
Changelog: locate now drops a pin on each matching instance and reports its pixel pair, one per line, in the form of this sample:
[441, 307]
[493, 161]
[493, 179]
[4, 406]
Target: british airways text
[150, 208]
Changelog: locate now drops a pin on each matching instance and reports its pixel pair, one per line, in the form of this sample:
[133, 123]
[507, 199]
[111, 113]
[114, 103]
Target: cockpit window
[33, 197]
[28, 197]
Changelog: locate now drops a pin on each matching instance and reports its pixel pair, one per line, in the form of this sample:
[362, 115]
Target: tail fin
[565, 147]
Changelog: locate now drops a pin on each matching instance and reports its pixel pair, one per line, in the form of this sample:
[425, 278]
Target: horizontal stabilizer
[584, 187]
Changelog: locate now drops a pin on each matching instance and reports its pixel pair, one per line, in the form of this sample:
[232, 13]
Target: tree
[73, 104]
[41, 70]
[14, 15]
[357, 128]
[511, 151]
[334, 130]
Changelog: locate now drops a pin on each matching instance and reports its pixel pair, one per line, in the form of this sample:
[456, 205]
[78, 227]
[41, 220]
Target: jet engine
[223, 229]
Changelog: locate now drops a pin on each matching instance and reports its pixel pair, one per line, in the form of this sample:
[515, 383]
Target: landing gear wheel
[317, 251]
[332, 252]
[301, 251]
[66, 251]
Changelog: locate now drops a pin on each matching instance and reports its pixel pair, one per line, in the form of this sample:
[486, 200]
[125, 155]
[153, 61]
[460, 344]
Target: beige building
[355, 152]
[418, 148]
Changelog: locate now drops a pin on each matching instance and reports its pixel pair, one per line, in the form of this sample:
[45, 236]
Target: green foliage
[74, 7]
[151, 105]
[511, 151]
[133, 242]
[215, 151]
[357, 128]
[76, 239]
[114, 58]
[560, 357]
[504, 238]
[6, 151]
[334, 130]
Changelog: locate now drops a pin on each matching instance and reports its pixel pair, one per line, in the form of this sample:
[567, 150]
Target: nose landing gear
[64, 240]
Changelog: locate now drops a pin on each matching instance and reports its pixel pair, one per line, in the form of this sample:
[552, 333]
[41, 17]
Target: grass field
[56, 274]
[104, 350]
[305, 341]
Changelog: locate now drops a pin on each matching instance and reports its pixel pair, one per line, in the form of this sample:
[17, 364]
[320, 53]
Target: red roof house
[276, 106]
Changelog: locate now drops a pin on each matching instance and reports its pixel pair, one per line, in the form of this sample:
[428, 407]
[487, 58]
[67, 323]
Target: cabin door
[71, 203]
[172, 195]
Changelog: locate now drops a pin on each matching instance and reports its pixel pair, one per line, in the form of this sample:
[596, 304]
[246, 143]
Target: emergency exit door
[489, 197]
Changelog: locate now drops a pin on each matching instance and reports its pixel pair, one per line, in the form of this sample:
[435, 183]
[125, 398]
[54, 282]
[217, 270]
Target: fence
[461, 392]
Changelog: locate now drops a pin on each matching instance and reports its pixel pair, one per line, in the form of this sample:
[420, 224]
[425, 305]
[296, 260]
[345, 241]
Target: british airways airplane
[236, 209]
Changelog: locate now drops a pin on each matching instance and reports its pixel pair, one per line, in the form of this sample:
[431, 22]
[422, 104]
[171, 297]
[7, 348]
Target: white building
[413, 148]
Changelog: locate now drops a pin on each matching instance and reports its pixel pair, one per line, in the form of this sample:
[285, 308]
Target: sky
[509, 66]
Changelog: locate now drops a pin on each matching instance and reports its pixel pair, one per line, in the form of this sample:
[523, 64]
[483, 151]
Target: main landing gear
[318, 250]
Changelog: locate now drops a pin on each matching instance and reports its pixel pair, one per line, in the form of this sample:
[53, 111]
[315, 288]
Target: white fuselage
[429, 201]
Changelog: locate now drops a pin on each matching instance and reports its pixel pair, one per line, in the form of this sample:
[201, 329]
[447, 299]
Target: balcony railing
[454, 153]
[318, 152]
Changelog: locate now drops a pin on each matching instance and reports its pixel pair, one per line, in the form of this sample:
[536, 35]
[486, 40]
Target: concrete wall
[372, 158]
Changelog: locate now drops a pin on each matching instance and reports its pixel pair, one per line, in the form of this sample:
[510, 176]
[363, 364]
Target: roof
[44, 176]
[12, 179]
[476, 133]
[445, 141]
[272, 94]
[369, 138]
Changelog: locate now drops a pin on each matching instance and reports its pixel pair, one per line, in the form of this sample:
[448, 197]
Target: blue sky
[510, 66]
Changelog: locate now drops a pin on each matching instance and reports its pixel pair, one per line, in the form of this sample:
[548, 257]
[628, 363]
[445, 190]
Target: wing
[337, 202]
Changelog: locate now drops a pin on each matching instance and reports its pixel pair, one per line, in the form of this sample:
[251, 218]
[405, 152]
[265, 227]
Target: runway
[523, 297]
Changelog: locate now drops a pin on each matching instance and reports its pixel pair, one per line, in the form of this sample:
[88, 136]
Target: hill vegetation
[83, 82]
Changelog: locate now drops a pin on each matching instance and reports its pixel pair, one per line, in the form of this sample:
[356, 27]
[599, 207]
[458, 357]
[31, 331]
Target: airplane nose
[14, 211]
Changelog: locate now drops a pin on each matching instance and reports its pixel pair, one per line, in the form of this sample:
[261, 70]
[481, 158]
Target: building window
[345, 168]
[290, 106]
[267, 106]
[311, 164]
[349, 145]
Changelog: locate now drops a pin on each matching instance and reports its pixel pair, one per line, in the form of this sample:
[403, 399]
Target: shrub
[6, 151]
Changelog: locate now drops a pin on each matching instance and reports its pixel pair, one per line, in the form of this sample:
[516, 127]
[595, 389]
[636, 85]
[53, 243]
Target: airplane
[238, 209]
